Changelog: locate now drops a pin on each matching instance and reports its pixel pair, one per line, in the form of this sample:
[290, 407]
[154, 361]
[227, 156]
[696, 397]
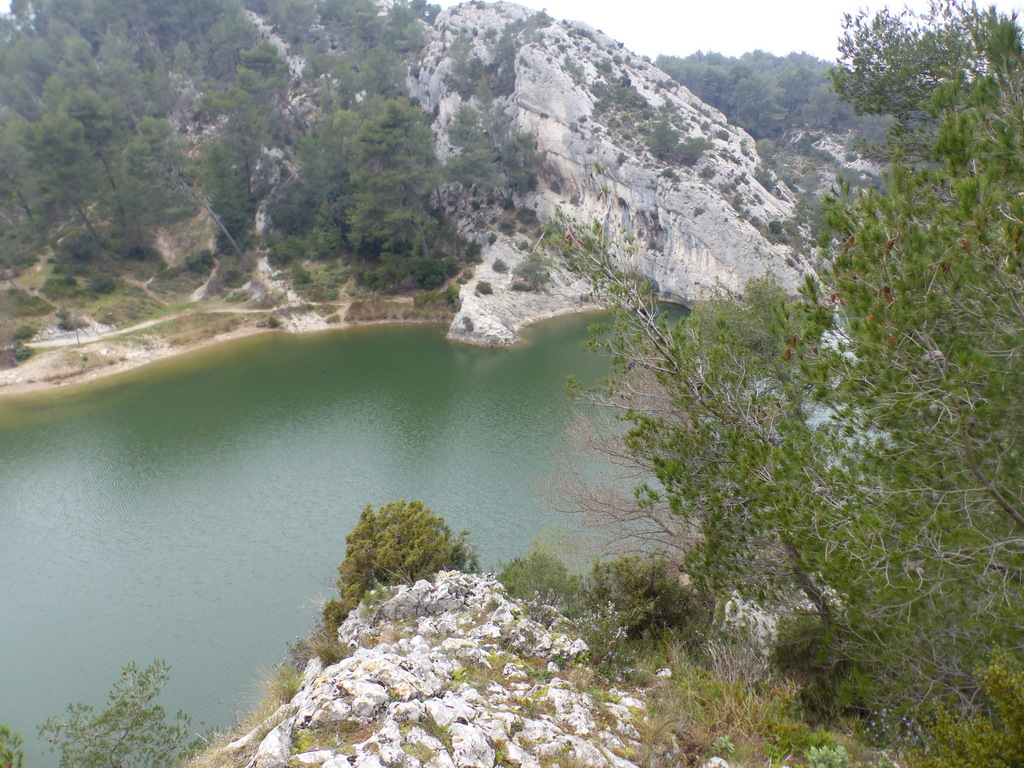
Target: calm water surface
[195, 511]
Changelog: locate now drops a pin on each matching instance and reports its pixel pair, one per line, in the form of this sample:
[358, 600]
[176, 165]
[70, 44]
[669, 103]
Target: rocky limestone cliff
[583, 96]
[697, 224]
[447, 674]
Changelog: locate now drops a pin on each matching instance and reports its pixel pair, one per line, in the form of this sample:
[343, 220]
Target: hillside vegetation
[152, 150]
[268, 153]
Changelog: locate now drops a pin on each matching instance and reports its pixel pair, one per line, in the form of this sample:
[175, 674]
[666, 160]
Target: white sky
[732, 27]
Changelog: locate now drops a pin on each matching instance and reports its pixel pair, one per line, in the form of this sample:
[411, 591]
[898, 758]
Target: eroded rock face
[581, 95]
[494, 319]
[448, 674]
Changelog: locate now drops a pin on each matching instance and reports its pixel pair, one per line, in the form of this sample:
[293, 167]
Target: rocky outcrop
[448, 674]
[495, 318]
[697, 222]
[697, 225]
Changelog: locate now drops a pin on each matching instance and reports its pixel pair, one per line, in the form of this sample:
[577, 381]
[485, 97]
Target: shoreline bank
[58, 367]
[100, 357]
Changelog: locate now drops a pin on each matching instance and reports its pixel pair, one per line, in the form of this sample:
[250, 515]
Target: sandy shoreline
[492, 320]
[99, 358]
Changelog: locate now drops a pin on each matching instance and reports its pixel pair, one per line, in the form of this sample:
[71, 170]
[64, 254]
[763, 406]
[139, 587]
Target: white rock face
[692, 225]
[495, 319]
[410, 695]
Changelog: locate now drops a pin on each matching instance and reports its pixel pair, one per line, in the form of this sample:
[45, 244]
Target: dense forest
[770, 95]
[124, 120]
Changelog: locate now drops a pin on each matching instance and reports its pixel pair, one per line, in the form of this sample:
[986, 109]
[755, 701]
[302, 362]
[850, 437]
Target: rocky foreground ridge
[448, 674]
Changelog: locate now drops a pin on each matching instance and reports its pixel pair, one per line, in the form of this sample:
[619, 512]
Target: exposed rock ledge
[495, 319]
[449, 674]
[695, 227]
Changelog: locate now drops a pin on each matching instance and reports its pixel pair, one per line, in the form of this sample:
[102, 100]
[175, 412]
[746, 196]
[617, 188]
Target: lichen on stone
[463, 682]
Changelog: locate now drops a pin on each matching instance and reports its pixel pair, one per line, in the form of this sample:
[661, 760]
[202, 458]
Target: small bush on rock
[622, 608]
[399, 543]
[534, 271]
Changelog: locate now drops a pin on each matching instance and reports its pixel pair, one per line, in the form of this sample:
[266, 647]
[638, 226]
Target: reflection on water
[194, 511]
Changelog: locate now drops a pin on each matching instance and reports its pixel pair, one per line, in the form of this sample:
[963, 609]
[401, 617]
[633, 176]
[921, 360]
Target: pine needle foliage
[11, 753]
[860, 446]
[398, 543]
[992, 737]
[132, 732]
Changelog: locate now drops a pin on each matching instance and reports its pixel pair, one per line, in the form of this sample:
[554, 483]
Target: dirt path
[144, 287]
[72, 339]
[69, 360]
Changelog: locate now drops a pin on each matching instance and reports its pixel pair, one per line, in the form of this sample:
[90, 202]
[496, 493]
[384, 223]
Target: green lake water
[195, 510]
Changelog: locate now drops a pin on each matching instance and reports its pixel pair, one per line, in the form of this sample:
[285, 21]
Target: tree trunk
[807, 584]
[92, 236]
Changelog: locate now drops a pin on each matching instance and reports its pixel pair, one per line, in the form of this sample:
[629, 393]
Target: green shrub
[648, 596]
[60, 287]
[66, 321]
[992, 737]
[527, 216]
[24, 332]
[446, 299]
[141, 253]
[234, 278]
[102, 284]
[399, 543]
[21, 354]
[691, 150]
[27, 305]
[538, 574]
[500, 266]
[829, 683]
[301, 275]
[534, 270]
[200, 261]
[484, 288]
[626, 609]
[828, 757]
[796, 736]
[286, 251]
